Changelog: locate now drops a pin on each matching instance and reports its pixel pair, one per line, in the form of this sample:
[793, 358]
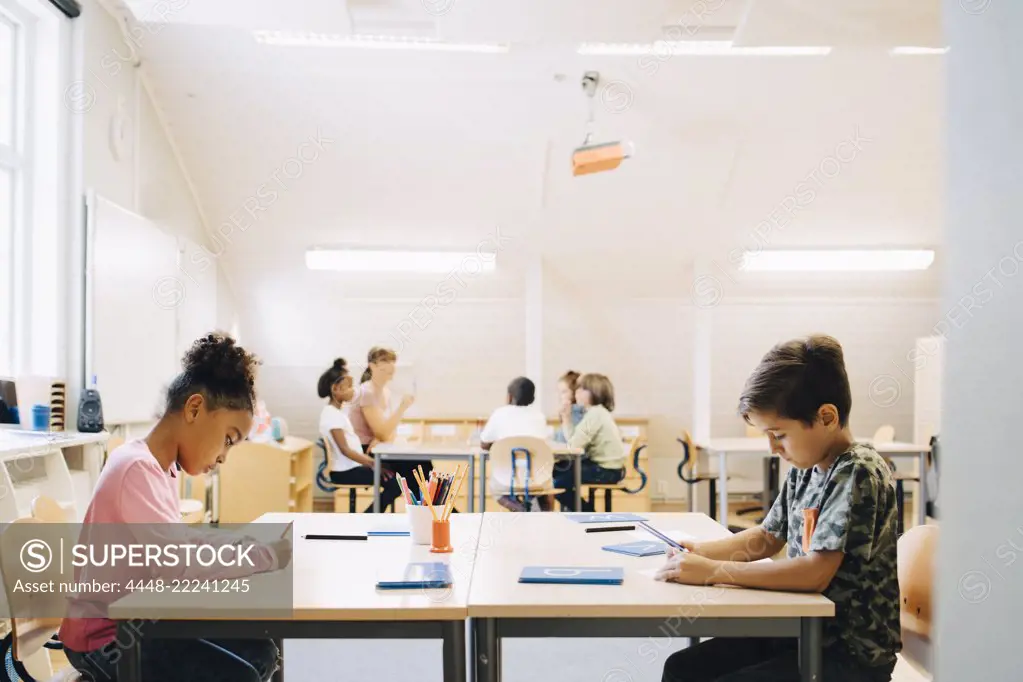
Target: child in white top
[348, 464]
[518, 418]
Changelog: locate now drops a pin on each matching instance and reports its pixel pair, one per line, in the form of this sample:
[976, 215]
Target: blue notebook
[639, 548]
[418, 576]
[573, 575]
[603, 518]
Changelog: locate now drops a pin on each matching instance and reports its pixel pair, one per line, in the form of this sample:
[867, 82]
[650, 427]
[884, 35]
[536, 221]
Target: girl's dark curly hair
[220, 370]
[336, 372]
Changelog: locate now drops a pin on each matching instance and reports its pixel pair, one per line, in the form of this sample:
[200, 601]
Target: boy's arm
[811, 573]
[752, 544]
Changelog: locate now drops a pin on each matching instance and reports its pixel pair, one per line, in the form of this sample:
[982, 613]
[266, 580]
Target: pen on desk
[334, 537]
[608, 529]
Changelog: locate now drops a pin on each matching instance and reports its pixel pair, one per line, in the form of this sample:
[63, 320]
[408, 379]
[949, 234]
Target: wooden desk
[501, 607]
[334, 594]
[759, 446]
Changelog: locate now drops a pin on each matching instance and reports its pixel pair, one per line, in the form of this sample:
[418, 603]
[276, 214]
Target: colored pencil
[426, 491]
[458, 488]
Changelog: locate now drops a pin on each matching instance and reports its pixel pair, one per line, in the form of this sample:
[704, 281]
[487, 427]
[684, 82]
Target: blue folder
[639, 548]
[431, 574]
[603, 518]
[573, 575]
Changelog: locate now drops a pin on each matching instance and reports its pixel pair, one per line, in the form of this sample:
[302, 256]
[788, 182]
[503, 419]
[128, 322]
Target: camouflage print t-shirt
[857, 516]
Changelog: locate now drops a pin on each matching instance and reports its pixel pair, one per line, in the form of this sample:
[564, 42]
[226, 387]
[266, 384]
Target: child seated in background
[566, 392]
[597, 434]
[518, 418]
[348, 464]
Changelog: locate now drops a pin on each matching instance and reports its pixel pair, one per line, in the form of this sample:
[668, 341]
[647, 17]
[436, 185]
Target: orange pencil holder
[441, 536]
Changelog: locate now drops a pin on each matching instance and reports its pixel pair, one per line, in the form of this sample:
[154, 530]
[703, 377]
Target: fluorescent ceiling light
[395, 260]
[837, 260]
[914, 51]
[292, 39]
[723, 48]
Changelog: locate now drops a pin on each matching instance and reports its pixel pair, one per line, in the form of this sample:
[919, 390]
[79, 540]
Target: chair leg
[592, 498]
[900, 504]
[713, 498]
[351, 500]
[607, 500]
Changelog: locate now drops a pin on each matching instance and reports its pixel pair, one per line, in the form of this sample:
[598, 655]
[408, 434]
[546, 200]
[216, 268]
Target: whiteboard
[133, 292]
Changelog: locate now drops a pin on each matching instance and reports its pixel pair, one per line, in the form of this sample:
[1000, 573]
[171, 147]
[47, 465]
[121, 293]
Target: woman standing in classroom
[373, 412]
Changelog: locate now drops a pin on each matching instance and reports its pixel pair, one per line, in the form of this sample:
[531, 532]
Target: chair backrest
[48, 510]
[633, 450]
[538, 467]
[29, 634]
[690, 459]
[884, 434]
[917, 548]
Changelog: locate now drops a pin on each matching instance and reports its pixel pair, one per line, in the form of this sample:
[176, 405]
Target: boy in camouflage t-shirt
[836, 513]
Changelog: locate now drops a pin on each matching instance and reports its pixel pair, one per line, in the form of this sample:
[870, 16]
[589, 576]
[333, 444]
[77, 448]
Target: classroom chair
[30, 638]
[688, 472]
[916, 550]
[338, 490]
[633, 450]
[48, 510]
[522, 466]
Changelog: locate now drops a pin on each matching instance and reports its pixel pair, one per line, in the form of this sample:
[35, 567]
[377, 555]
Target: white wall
[979, 587]
[144, 173]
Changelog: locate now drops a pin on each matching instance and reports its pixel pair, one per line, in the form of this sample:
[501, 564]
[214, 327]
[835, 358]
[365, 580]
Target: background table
[723, 447]
[501, 607]
[423, 453]
[334, 594]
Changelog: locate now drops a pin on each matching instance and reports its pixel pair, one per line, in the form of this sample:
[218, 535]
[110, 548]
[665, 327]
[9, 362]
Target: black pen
[335, 537]
[608, 529]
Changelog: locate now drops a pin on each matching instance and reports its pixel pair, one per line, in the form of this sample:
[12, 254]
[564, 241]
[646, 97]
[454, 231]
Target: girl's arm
[342, 444]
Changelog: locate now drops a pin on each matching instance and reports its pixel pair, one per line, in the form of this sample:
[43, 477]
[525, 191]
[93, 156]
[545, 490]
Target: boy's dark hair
[522, 391]
[220, 370]
[602, 392]
[795, 378]
[333, 375]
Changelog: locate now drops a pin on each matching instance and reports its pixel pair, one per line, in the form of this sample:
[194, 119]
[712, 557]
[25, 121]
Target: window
[35, 199]
[11, 168]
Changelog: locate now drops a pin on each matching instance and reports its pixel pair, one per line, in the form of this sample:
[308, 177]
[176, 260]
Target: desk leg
[578, 472]
[488, 650]
[454, 650]
[723, 489]
[470, 498]
[129, 666]
[376, 484]
[810, 650]
[921, 490]
[483, 482]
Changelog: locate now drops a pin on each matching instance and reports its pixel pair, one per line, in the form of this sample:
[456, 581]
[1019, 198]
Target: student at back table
[518, 418]
[349, 465]
[597, 435]
[836, 513]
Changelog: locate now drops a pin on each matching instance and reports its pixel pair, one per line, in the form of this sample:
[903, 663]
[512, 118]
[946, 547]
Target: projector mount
[589, 83]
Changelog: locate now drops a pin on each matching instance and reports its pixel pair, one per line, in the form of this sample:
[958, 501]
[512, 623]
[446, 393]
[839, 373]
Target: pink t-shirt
[134, 489]
[368, 395]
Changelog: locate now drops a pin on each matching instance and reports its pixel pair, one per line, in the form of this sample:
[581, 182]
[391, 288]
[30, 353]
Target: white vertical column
[534, 325]
[705, 296]
[979, 568]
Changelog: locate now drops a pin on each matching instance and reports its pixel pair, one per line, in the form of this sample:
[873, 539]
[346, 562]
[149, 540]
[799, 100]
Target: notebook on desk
[425, 575]
[641, 548]
[573, 575]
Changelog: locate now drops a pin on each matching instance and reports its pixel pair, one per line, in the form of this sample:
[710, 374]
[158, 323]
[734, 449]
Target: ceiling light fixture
[837, 260]
[397, 260]
[709, 48]
[293, 39]
[910, 51]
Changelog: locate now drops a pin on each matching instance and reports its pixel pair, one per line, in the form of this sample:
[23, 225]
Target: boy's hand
[688, 568]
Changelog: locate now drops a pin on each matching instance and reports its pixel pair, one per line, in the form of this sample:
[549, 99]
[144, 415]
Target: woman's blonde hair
[602, 392]
[377, 354]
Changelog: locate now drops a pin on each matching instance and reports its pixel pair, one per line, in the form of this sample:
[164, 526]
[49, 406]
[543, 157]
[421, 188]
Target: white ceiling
[436, 148]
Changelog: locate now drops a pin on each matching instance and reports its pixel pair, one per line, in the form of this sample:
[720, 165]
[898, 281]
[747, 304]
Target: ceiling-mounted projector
[603, 156]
